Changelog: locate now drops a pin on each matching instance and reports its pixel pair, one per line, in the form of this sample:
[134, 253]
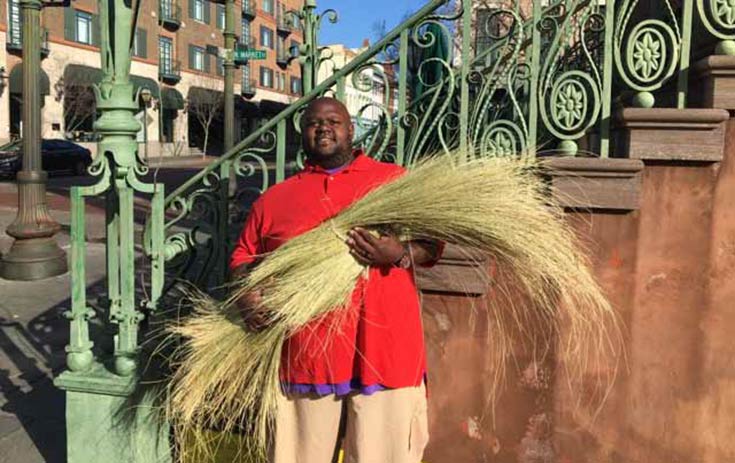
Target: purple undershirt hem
[338, 389]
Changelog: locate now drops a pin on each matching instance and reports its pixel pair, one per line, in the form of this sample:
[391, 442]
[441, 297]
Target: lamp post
[34, 254]
[229, 102]
[229, 65]
[145, 95]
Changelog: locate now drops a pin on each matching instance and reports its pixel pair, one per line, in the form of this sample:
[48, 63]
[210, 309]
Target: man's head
[327, 132]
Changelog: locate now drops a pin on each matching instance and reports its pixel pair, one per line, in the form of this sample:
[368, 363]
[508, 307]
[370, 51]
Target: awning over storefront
[211, 97]
[86, 75]
[248, 108]
[205, 94]
[271, 107]
[172, 99]
[16, 80]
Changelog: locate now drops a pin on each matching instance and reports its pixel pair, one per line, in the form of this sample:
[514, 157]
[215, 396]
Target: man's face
[327, 132]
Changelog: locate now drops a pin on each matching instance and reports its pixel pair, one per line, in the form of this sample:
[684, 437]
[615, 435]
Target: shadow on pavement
[33, 355]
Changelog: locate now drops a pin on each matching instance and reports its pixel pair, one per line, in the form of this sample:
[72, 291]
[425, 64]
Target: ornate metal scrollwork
[647, 56]
[570, 82]
[718, 17]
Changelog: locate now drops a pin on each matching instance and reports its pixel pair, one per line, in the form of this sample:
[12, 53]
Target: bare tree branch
[205, 102]
[80, 106]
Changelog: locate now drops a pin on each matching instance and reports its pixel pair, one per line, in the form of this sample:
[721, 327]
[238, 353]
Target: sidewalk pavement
[33, 334]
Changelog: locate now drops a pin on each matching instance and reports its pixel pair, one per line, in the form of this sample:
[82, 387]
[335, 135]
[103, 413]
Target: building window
[246, 75]
[83, 23]
[266, 37]
[165, 55]
[14, 23]
[198, 58]
[295, 85]
[80, 26]
[245, 32]
[220, 17]
[220, 67]
[167, 9]
[140, 43]
[268, 7]
[199, 10]
[266, 77]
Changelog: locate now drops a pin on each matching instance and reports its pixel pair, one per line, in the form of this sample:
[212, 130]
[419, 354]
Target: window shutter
[95, 30]
[143, 43]
[70, 32]
[191, 8]
[191, 57]
[207, 18]
[206, 62]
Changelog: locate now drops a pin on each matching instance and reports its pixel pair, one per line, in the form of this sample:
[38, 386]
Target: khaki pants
[386, 427]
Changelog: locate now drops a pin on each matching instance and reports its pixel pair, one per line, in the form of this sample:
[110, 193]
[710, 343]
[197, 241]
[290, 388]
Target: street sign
[242, 54]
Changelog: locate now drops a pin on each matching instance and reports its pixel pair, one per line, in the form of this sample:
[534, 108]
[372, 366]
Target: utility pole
[34, 254]
[229, 65]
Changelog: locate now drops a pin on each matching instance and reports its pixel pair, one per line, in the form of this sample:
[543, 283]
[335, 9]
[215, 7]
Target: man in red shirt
[368, 358]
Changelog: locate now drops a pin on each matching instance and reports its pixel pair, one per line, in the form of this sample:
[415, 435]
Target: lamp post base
[33, 259]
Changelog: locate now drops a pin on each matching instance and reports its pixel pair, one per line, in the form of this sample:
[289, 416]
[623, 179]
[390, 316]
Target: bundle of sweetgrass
[226, 377]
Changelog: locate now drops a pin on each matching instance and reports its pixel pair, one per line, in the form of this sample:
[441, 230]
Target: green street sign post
[242, 54]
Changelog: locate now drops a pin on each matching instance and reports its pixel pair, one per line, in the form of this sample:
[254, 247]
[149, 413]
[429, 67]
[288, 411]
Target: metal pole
[145, 132]
[229, 65]
[464, 111]
[34, 254]
[145, 95]
[308, 65]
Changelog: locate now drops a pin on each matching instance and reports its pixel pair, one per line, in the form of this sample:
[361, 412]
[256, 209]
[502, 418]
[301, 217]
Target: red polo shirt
[378, 339]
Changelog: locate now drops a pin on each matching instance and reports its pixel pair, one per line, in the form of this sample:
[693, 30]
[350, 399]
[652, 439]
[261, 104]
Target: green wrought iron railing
[545, 76]
[549, 78]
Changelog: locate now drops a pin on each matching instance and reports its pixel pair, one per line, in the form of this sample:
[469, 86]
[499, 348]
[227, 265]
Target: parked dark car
[56, 156]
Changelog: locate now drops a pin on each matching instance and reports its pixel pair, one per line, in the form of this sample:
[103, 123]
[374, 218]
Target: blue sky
[356, 18]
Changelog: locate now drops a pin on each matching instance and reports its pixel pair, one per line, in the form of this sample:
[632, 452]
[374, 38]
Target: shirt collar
[359, 162]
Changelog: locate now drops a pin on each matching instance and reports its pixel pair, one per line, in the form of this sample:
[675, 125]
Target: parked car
[56, 156]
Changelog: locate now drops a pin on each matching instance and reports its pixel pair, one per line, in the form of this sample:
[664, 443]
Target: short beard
[333, 161]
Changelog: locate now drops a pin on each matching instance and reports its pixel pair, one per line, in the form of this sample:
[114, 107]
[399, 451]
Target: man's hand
[372, 251]
[253, 312]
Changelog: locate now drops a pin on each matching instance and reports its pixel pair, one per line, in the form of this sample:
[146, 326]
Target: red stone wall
[669, 268]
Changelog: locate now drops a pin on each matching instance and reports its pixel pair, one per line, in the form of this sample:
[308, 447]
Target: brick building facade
[174, 57]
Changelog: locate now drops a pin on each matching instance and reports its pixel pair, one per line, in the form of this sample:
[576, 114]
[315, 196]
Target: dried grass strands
[227, 377]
